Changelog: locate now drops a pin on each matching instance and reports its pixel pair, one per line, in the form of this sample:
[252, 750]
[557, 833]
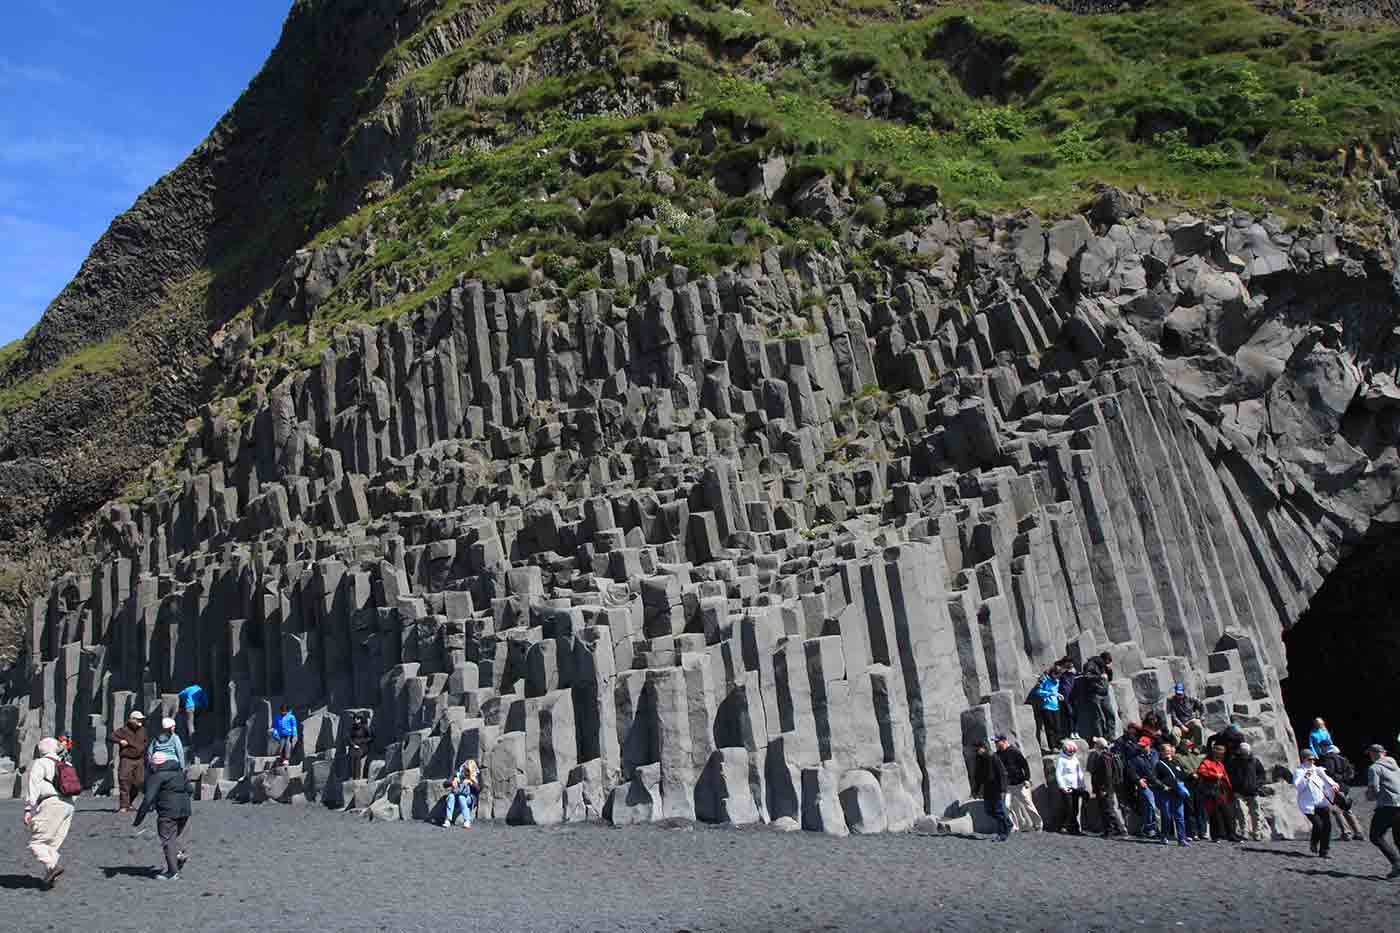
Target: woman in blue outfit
[462, 792]
[1319, 739]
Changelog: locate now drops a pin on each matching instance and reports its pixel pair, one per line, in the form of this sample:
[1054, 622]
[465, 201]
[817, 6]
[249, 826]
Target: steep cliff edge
[667, 408]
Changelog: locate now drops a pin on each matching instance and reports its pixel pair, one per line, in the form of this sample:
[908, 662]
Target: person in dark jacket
[130, 740]
[1182, 710]
[1094, 708]
[1339, 769]
[1247, 778]
[989, 780]
[1172, 774]
[168, 792]
[1024, 816]
[1105, 777]
[1142, 772]
[1190, 757]
[1230, 737]
[1069, 725]
[358, 744]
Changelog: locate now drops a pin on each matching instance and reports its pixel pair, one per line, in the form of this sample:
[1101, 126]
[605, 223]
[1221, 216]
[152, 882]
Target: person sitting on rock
[284, 733]
[463, 790]
[1319, 738]
[1184, 710]
[1024, 815]
[989, 781]
[167, 744]
[1154, 727]
[1073, 786]
[1339, 769]
[1046, 696]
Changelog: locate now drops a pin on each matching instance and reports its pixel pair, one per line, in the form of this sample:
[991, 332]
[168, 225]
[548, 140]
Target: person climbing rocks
[1024, 816]
[989, 781]
[1383, 786]
[1183, 710]
[463, 791]
[1142, 772]
[130, 740]
[284, 733]
[1106, 776]
[168, 792]
[1213, 782]
[48, 811]
[1248, 780]
[1095, 710]
[1073, 785]
[1341, 770]
[167, 744]
[192, 698]
[358, 744]
[1172, 774]
[1315, 792]
[1046, 695]
[1319, 738]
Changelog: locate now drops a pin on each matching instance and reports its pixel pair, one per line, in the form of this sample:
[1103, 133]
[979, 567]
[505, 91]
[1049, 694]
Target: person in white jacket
[1073, 784]
[1316, 791]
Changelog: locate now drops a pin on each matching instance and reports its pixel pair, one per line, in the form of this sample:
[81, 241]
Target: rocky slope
[616, 427]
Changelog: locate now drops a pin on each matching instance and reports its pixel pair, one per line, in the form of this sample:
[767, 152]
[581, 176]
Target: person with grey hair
[1248, 778]
[48, 812]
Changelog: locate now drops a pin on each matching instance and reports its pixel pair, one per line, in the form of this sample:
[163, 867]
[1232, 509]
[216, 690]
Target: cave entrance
[1344, 653]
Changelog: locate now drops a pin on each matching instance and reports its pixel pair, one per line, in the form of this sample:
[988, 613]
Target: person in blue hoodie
[284, 731]
[192, 698]
[1319, 738]
[1046, 697]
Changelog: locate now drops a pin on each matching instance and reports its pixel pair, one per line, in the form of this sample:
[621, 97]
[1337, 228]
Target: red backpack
[66, 779]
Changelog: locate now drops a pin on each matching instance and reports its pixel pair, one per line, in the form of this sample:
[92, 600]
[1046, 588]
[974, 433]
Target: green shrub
[1073, 147]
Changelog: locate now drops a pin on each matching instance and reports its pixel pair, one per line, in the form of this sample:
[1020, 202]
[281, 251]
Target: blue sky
[97, 101]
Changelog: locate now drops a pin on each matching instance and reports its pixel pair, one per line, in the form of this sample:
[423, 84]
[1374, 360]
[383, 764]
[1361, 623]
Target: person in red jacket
[1216, 793]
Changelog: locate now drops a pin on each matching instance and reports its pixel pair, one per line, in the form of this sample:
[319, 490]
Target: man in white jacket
[1315, 793]
[1073, 784]
[47, 813]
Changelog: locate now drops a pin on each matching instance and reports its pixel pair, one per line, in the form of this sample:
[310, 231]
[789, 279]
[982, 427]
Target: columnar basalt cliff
[777, 539]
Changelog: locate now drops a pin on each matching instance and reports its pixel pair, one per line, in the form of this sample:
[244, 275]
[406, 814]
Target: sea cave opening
[1344, 652]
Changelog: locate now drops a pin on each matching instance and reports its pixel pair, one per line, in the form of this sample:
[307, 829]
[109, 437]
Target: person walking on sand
[168, 793]
[1383, 786]
[989, 780]
[1339, 769]
[1315, 792]
[1024, 816]
[1319, 738]
[167, 744]
[130, 740]
[284, 732]
[1106, 775]
[48, 808]
[1248, 780]
[1073, 785]
[463, 791]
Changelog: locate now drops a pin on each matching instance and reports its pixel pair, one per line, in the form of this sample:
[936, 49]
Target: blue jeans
[996, 809]
[1174, 813]
[464, 802]
[1147, 809]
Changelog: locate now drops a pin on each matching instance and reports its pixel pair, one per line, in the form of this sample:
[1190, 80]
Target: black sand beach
[303, 868]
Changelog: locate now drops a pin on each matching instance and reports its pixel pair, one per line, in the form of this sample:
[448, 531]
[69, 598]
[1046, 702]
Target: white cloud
[132, 163]
[12, 72]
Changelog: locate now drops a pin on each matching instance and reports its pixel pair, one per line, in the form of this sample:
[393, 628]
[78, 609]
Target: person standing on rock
[130, 740]
[1024, 816]
[1248, 780]
[989, 780]
[1339, 769]
[48, 810]
[1047, 708]
[1383, 786]
[358, 747]
[167, 744]
[284, 733]
[1319, 738]
[1073, 785]
[1315, 792]
[1095, 711]
[168, 792]
[1213, 781]
[1106, 775]
[1069, 726]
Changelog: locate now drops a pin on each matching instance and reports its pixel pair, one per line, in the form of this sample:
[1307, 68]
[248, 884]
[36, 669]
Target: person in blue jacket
[284, 731]
[192, 698]
[462, 792]
[1319, 739]
[1047, 698]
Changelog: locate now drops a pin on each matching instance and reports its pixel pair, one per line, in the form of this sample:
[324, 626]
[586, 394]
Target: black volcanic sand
[304, 868]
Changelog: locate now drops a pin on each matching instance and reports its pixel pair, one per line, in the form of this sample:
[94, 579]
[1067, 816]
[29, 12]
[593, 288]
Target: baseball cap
[1378, 749]
[1180, 688]
[998, 738]
[1306, 753]
[137, 715]
[1144, 741]
[167, 723]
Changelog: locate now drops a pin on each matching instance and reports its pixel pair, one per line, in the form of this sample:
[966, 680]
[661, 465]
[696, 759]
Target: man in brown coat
[131, 747]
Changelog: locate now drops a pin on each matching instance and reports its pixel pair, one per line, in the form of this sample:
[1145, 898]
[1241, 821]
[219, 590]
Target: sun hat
[167, 723]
